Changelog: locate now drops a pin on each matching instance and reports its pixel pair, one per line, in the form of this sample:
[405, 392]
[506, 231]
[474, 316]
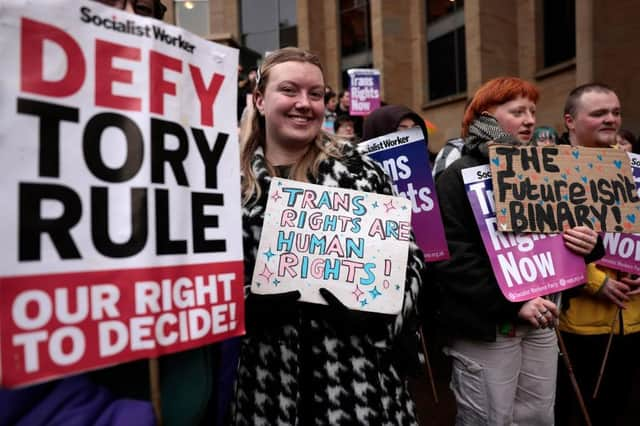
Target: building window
[439, 8]
[559, 27]
[287, 23]
[355, 36]
[267, 25]
[446, 48]
[193, 16]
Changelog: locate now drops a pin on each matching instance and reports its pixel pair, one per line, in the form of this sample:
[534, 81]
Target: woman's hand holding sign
[541, 313]
[618, 291]
[615, 291]
[633, 281]
[353, 321]
[580, 239]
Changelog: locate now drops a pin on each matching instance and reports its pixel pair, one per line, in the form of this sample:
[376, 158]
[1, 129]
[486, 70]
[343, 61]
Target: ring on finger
[544, 312]
[539, 316]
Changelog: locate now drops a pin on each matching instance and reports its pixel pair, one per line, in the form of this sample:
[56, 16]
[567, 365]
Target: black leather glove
[351, 321]
[597, 253]
[270, 310]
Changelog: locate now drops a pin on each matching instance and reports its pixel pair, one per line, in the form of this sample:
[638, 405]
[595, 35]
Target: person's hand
[633, 281]
[353, 321]
[615, 291]
[539, 312]
[270, 309]
[580, 239]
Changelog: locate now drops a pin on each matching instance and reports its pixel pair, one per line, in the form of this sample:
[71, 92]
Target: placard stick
[154, 383]
[606, 354]
[428, 365]
[567, 362]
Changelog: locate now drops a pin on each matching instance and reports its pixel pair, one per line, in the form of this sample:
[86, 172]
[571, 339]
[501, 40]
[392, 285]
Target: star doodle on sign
[397, 286]
[357, 293]
[276, 196]
[374, 293]
[404, 207]
[276, 282]
[266, 273]
[375, 205]
[389, 206]
[269, 254]
[363, 302]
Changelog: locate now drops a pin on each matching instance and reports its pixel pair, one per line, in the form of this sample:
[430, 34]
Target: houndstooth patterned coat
[306, 370]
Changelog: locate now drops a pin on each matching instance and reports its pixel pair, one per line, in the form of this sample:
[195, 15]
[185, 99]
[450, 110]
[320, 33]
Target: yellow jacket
[590, 314]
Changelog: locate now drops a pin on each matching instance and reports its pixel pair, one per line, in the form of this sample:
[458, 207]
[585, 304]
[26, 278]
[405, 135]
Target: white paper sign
[353, 243]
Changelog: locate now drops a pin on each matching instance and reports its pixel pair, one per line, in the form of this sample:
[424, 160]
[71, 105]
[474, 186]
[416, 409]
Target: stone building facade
[501, 37]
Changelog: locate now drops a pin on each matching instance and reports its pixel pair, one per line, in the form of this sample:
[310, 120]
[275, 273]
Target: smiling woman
[293, 107]
[302, 363]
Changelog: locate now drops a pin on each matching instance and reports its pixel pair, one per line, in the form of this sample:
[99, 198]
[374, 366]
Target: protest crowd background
[339, 212]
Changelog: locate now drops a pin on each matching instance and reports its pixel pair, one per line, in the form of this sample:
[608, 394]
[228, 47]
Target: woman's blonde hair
[254, 134]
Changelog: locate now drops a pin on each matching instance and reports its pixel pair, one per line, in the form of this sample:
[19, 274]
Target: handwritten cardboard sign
[525, 265]
[548, 189]
[405, 158]
[364, 90]
[622, 251]
[353, 243]
[121, 227]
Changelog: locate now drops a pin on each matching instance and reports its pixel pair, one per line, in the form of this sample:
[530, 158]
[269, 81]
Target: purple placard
[525, 265]
[364, 90]
[622, 251]
[404, 156]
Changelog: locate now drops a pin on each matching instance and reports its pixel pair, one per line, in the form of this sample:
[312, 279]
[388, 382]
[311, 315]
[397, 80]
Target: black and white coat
[307, 370]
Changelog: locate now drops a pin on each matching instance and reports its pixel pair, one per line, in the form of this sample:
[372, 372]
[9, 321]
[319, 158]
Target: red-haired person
[504, 353]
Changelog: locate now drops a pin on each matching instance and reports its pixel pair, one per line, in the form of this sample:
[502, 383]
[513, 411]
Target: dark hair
[629, 136]
[571, 103]
[342, 93]
[159, 9]
[328, 95]
[340, 120]
[386, 119]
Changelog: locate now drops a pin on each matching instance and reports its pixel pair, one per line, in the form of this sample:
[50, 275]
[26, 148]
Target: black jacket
[471, 303]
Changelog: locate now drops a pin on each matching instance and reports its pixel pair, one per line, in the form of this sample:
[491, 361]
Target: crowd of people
[302, 364]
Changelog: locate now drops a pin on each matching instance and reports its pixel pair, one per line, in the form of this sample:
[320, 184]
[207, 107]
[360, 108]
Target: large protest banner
[405, 158]
[622, 251]
[121, 233]
[525, 265]
[353, 243]
[364, 90]
[548, 189]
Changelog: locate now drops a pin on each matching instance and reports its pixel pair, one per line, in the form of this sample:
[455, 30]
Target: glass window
[447, 65]
[446, 49]
[355, 36]
[559, 21]
[355, 26]
[193, 16]
[267, 25]
[288, 23]
[439, 8]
